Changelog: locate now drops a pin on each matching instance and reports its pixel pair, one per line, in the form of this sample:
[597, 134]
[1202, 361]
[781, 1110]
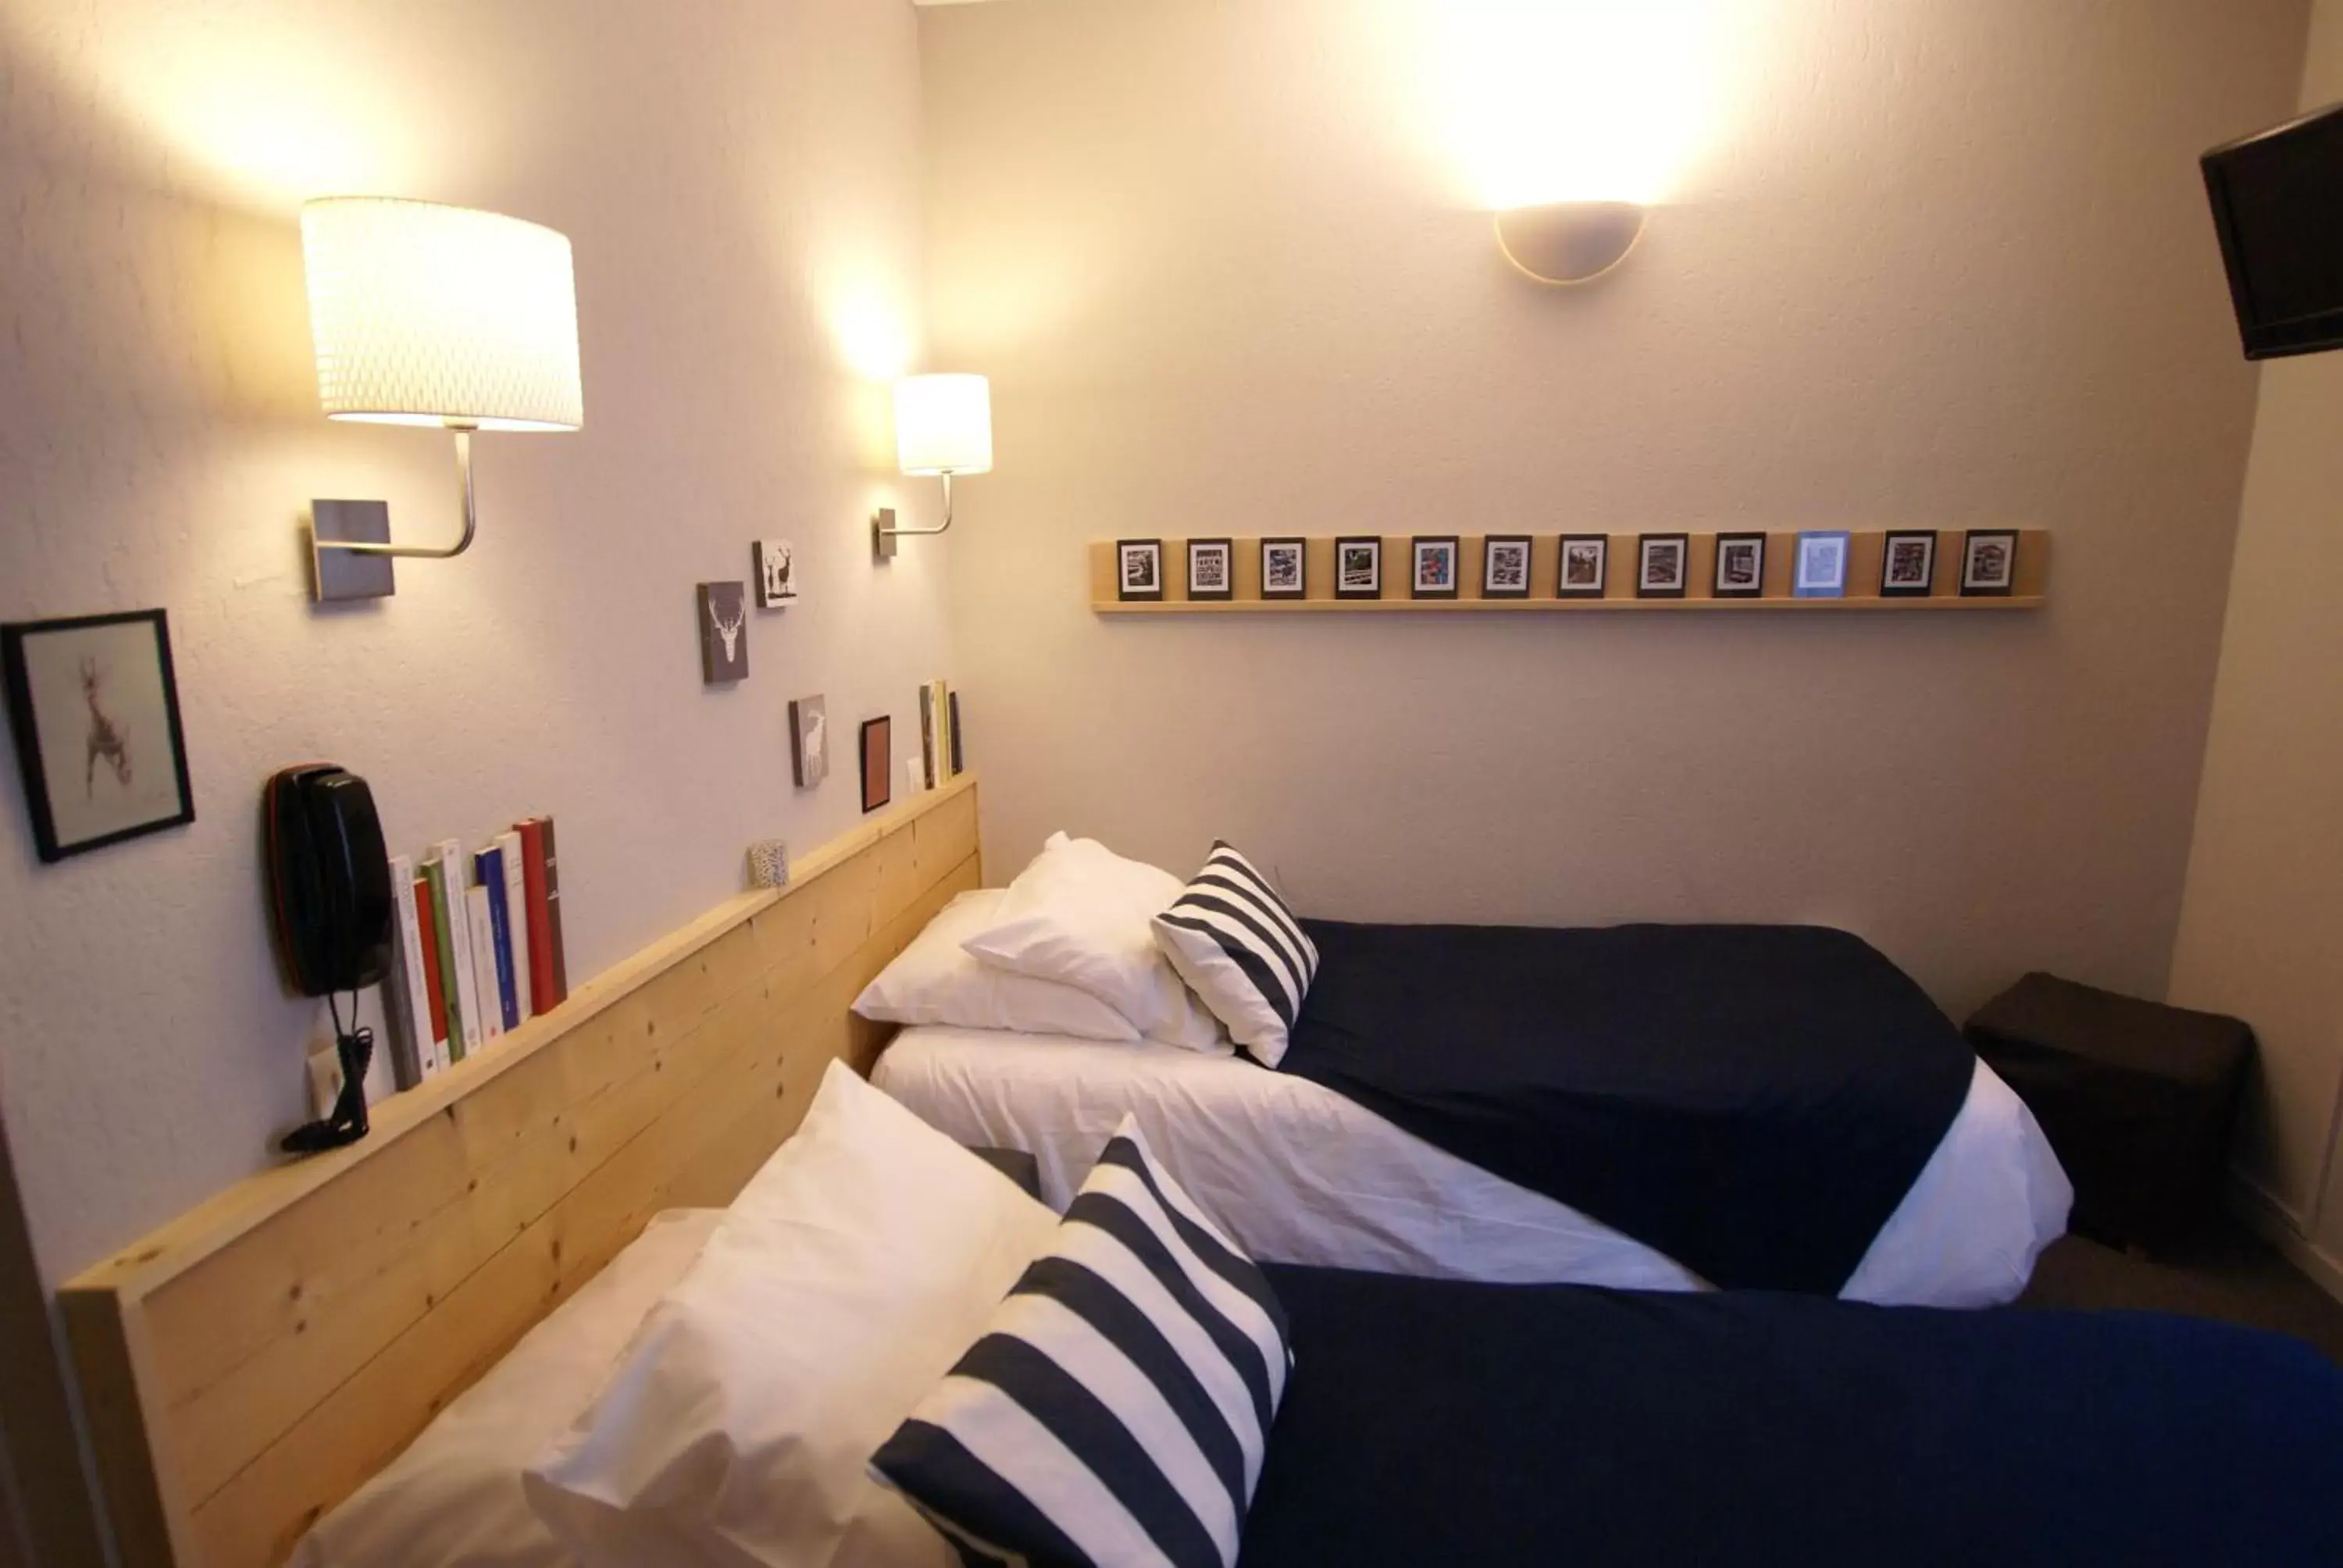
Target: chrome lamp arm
[884, 532]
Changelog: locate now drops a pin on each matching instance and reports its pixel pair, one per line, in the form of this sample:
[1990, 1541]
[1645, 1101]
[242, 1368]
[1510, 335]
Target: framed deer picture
[94, 706]
[723, 632]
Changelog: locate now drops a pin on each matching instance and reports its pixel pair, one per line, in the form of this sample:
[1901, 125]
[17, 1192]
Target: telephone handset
[329, 903]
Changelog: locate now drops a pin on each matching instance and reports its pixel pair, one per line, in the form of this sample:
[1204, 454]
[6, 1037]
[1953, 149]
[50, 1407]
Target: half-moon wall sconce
[1570, 242]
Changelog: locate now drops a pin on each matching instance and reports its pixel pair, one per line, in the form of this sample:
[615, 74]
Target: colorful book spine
[540, 875]
[516, 925]
[488, 867]
[484, 962]
[468, 1005]
[451, 1000]
[428, 927]
[927, 735]
[553, 915]
[403, 999]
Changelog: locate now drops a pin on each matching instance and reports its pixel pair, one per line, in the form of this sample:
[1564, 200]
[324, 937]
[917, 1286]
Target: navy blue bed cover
[1433, 1422]
[1754, 1101]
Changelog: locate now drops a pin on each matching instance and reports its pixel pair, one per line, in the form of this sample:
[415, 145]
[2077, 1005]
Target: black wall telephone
[329, 902]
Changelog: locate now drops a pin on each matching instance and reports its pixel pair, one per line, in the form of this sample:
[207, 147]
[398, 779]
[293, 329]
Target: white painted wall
[2261, 931]
[741, 183]
[1921, 265]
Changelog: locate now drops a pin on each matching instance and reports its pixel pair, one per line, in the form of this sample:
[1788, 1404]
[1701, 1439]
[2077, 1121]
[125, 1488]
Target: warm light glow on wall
[1574, 100]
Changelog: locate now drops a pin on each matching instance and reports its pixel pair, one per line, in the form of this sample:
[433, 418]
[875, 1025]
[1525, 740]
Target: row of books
[478, 947]
[940, 753]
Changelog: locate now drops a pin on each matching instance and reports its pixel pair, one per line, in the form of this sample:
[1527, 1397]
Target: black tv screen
[2277, 203]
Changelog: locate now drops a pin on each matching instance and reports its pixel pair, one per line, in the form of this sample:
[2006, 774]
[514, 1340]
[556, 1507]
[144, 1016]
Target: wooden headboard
[248, 1365]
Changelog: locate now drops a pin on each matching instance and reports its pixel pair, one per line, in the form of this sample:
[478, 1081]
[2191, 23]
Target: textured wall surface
[1938, 265]
[741, 183]
[2261, 929]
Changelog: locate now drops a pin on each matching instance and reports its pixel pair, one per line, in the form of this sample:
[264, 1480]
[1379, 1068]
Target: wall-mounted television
[2277, 205]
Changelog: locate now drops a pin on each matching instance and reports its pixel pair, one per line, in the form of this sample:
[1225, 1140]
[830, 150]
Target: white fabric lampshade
[430, 315]
[943, 425]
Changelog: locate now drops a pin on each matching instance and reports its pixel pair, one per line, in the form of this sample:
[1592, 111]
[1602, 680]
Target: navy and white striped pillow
[1240, 948]
[1118, 1407]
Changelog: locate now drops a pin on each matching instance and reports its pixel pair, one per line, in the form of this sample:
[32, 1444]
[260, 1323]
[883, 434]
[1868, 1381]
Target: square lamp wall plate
[341, 575]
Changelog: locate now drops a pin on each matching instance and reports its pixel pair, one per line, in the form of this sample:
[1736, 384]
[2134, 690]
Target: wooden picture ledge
[2030, 590]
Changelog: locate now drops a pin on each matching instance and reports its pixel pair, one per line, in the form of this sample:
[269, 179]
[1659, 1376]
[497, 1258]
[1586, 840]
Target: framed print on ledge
[1908, 566]
[1662, 565]
[1435, 567]
[1989, 563]
[1740, 565]
[1212, 569]
[94, 705]
[1139, 569]
[1821, 566]
[1585, 568]
[1359, 566]
[1284, 568]
[1505, 566]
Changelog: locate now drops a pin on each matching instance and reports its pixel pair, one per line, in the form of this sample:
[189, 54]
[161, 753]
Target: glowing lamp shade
[943, 425]
[430, 315]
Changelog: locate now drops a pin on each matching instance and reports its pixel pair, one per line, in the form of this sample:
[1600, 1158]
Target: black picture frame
[1888, 587]
[1228, 554]
[1416, 548]
[1646, 586]
[1728, 545]
[2005, 539]
[1564, 588]
[1510, 543]
[879, 780]
[1374, 545]
[1127, 552]
[1299, 586]
[105, 744]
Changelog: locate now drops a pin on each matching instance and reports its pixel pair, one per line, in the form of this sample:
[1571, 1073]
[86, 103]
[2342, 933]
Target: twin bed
[256, 1364]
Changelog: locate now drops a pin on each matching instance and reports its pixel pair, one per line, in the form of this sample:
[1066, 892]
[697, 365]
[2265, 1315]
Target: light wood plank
[252, 1362]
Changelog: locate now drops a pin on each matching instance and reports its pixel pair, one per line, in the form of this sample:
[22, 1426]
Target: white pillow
[935, 981]
[843, 1282]
[1079, 916]
[455, 1495]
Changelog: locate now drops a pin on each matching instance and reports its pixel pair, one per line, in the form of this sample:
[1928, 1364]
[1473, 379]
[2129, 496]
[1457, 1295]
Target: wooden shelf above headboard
[2030, 592]
[251, 1363]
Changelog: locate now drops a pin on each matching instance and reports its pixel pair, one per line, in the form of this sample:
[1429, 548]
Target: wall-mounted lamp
[432, 316]
[943, 427]
[1570, 242]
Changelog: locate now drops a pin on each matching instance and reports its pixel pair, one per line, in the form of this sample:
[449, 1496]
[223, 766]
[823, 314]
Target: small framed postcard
[1662, 566]
[1212, 569]
[1989, 563]
[1585, 569]
[1740, 565]
[1435, 576]
[723, 632]
[777, 574]
[877, 761]
[809, 741]
[1821, 565]
[1908, 566]
[1284, 568]
[1139, 569]
[1505, 566]
[1359, 568]
[94, 705]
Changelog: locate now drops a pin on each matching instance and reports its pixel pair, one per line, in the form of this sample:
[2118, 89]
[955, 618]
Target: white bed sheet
[1299, 1174]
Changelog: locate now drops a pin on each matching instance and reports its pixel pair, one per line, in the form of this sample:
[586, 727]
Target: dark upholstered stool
[2135, 1097]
